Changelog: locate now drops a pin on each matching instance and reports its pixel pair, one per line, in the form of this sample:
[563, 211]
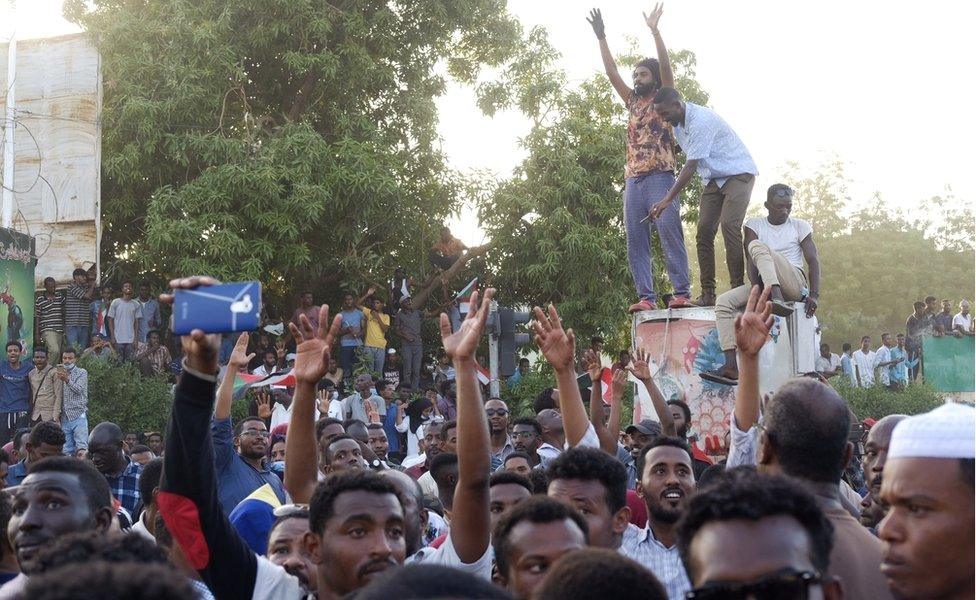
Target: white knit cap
[946, 432]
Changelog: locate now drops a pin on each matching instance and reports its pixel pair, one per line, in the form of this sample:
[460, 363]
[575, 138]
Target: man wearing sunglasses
[756, 537]
[781, 256]
[501, 441]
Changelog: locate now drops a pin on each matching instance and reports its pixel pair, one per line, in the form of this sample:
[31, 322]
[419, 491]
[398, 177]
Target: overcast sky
[881, 85]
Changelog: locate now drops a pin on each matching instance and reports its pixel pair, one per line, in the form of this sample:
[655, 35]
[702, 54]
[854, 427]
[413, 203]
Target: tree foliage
[290, 141]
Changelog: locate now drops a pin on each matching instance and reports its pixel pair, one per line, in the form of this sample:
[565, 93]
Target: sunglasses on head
[291, 510]
[491, 412]
[782, 192]
[787, 584]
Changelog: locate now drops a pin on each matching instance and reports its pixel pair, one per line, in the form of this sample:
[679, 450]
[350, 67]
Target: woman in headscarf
[417, 413]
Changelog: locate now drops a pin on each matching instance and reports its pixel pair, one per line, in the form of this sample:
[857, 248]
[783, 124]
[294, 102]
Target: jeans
[640, 194]
[347, 360]
[412, 356]
[77, 338]
[378, 356]
[75, 434]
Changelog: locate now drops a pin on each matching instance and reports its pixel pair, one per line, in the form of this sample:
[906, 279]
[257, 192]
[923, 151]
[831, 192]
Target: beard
[644, 89]
[665, 515]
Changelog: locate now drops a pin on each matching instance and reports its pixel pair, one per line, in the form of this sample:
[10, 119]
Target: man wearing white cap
[928, 533]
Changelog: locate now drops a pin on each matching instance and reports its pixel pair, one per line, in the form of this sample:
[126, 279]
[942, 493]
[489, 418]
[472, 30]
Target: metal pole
[494, 386]
[7, 206]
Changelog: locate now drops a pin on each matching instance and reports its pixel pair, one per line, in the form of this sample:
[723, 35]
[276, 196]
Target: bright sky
[881, 85]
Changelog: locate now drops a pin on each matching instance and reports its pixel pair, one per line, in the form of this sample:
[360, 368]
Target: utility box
[684, 342]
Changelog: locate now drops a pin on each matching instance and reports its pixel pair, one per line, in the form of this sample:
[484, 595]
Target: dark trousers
[725, 206]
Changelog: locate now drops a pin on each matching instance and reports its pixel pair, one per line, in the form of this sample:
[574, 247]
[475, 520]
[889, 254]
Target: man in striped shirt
[76, 305]
[47, 313]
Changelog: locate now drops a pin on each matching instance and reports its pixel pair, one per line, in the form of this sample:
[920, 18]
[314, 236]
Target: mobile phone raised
[217, 308]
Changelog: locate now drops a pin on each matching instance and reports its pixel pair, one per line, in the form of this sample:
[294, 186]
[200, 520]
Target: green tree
[282, 140]
[557, 223]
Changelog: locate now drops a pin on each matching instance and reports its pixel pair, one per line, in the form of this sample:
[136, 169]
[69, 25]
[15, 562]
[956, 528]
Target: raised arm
[667, 76]
[751, 332]
[369, 292]
[608, 443]
[813, 269]
[640, 369]
[470, 524]
[609, 64]
[225, 393]
[313, 354]
[559, 348]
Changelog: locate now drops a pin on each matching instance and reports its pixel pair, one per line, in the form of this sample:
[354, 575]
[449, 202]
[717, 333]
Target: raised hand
[264, 405]
[655, 16]
[753, 325]
[240, 358]
[199, 348]
[280, 350]
[618, 385]
[555, 343]
[639, 365]
[593, 365]
[314, 350]
[596, 22]
[462, 344]
[323, 400]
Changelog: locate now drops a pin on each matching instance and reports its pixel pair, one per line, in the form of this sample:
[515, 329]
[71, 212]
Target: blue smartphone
[217, 308]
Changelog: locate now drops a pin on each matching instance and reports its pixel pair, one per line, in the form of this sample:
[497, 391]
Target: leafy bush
[121, 394]
[520, 397]
[879, 401]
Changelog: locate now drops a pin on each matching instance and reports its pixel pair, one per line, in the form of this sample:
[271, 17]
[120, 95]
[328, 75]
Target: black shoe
[717, 377]
[780, 309]
[704, 300]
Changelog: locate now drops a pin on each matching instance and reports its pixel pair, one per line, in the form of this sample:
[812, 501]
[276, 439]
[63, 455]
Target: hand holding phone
[218, 308]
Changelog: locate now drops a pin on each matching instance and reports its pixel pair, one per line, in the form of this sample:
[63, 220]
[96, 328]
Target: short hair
[509, 477]
[597, 339]
[69, 350]
[87, 546]
[375, 426]
[846, 346]
[543, 401]
[930, 299]
[528, 421]
[97, 492]
[918, 305]
[109, 581]
[139, 449]
[684, 409]
[517, 454]
[324, 422]
[78, 272]
[300, 512]
[46, 432]
[322, 506]
[779, 190]
[415, 581]
[540, 482]
[745, 494]
[864, 338]
[239, 428]
[807, 423]
[440, 464]
[13, 343]
[149, 479]
[597, 573]
[593, 464]
[40, 349]
[49, 278]
[447, 426]
[539, 510]
[885, 334]
[19, 438]
[382, 384]
[338, 438]
[661, 440]
[667, 94]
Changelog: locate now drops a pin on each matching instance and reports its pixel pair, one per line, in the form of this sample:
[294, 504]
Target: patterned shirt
[125, 486]
[47, 313]
[650, 140]
[76, 305]
[498, 458]
[158, 359]
[707, 138]
[664, 562]
[75, 401]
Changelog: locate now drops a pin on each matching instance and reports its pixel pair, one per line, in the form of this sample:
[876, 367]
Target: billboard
[948, 363]
[17, 262]
[57, 151]
[684, 342]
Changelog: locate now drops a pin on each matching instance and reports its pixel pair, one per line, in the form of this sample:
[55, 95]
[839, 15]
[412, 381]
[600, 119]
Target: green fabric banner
[948, 363]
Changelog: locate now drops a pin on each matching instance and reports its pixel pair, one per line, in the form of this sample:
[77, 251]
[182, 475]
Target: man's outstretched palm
[314, 350]
[462, 344]
[556, 344]
[753, 325]
[638, 365]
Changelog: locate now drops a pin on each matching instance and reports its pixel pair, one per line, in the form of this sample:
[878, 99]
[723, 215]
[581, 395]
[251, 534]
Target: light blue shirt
[848, 367]
[149, 311]
[899, 372]
[707, 138]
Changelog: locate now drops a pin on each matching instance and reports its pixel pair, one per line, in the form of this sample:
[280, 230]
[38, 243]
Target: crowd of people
[899, 359]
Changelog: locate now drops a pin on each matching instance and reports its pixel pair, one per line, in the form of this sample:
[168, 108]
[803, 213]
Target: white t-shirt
[783, 239]
[447, 556]
[827, 365]
[965, 320]
[865, 366]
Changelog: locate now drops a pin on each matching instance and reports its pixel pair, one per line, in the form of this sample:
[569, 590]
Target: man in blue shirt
[239, 455]
[847, 365]
[353, 322]
[149, 311]
[727, 172]
[390, 420]
[45, 439]
[14, 391]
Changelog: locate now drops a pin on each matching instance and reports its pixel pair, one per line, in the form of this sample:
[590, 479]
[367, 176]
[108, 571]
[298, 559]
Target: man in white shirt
[884, 359]
[827, 364]
[777, 247]
[962, 323]
[864, 363]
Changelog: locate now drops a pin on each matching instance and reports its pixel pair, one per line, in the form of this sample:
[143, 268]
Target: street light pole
[7, 205]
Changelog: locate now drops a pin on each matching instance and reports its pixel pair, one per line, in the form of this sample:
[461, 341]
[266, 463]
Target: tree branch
[446, 276]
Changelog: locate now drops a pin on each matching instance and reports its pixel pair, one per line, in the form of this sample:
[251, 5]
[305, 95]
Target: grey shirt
[410, 323]
[125, 313]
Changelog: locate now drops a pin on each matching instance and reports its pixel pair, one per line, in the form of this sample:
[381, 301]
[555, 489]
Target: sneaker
[642, 305]
[705, 299]
[680, 302]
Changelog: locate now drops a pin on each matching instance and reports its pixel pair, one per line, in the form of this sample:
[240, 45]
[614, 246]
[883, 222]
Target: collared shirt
[237, 478]
[16, 473]
[707, 138]
[356, 409]
[664, 562]
[158, 358]
[848, 366]
[48, 391]
[149, 311]
[498, 458]
[125, 486]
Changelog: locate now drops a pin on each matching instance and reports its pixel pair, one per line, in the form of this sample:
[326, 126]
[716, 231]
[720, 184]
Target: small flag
[463, 298]
[242, 383]
[606, 381]
[484, 377]
[280, 380]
